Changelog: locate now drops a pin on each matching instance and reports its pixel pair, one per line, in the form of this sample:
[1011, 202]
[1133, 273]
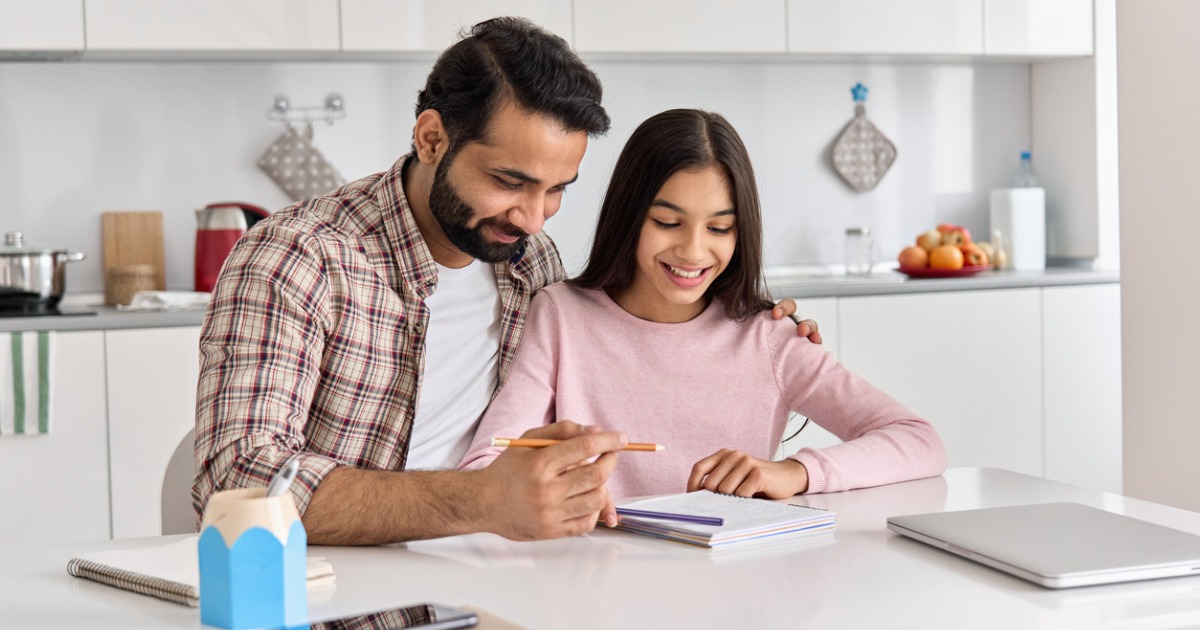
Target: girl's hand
[804, 327]
[734, 472]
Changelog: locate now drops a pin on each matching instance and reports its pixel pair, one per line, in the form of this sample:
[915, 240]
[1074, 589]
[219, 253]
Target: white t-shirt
[462, 363]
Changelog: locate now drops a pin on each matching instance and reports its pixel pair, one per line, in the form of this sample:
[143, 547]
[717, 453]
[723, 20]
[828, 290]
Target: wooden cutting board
[134, 238]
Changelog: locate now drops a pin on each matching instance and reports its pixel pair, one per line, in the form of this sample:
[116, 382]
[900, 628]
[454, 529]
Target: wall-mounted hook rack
[333, 109]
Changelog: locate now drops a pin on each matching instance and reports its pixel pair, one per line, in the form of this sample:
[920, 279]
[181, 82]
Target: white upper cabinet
[39, 25]
[697, 26]
[433, 25]
[908, 27]
[1037, 27]
[212, 25]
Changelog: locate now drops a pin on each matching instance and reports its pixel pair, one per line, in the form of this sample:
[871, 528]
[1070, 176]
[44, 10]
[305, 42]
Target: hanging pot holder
[299, 168]
[862, 154]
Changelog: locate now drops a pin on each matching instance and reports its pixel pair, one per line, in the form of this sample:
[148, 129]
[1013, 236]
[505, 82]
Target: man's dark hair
[666, 143]
[505, 58]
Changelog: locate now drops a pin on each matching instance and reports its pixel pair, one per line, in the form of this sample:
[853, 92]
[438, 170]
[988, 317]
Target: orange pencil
[540, 443]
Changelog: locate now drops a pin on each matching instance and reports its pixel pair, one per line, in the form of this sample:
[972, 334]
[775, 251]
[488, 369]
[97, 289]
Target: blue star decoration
[860, 92]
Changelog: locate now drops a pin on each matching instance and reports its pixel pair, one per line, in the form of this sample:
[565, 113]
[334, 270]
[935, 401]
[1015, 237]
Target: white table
[867, 578]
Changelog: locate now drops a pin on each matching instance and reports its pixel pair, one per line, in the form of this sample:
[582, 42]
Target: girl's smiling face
[686, 241]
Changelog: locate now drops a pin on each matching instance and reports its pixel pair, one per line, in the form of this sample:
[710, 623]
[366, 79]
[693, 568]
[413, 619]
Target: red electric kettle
[218, 227]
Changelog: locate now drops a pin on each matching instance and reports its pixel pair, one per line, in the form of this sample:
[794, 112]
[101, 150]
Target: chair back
[178, 517]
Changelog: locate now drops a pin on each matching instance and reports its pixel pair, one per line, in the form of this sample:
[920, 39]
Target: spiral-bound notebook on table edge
[169, 571]
[746, 519]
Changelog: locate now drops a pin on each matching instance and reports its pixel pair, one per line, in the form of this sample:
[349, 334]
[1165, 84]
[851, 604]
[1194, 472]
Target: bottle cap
[1025, 155]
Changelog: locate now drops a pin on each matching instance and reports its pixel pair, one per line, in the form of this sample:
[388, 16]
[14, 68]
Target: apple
[973, 255]
[913, 257]
[954, 234]
[929, 239]
[946, 257]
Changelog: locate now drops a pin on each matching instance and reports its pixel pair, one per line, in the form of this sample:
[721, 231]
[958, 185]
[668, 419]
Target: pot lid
[14, 245]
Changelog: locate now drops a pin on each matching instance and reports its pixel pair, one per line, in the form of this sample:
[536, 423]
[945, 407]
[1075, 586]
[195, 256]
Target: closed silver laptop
[1058, 545]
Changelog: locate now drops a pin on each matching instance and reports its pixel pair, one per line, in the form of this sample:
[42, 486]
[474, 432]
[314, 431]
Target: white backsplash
[79, 139]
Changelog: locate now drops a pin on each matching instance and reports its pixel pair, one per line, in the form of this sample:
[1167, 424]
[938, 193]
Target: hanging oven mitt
[297, 167]
[862, 154]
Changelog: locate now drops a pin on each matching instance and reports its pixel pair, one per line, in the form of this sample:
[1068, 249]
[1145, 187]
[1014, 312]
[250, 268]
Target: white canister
[1019, 214]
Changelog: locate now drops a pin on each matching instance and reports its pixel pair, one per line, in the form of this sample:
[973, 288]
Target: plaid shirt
[314, 339]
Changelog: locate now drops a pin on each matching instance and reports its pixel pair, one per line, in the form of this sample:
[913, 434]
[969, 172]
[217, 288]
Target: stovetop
[61, 311]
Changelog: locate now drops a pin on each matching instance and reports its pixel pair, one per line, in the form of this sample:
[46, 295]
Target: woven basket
[122, 283]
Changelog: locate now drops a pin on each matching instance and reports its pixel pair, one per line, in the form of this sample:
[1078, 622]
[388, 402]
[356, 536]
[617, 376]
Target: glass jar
[861, 251]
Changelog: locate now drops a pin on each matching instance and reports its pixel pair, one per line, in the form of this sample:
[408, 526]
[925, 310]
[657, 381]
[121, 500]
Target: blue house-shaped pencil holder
[253, 557]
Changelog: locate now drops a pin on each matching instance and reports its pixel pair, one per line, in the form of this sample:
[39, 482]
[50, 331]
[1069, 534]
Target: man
[366, 330]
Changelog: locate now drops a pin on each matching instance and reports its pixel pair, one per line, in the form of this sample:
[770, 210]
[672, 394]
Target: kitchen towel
[26, 363]
[167, 301]
[299, 168]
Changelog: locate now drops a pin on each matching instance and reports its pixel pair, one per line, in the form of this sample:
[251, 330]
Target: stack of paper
[170, 571]
[745, 519]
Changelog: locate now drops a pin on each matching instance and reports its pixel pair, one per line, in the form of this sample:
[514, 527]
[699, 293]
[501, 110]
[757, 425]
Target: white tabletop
[867, 578]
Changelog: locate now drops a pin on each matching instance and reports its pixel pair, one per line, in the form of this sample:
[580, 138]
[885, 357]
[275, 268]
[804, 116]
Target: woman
[667, 336]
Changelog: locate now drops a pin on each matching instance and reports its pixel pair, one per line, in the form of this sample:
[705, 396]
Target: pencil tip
[659, 447]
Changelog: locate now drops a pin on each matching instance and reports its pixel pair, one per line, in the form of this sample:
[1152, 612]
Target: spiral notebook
[746, 520]
[170, 571]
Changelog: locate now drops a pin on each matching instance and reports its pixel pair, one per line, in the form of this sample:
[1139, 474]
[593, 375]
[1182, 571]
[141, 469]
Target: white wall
[1158, 60]
[78, 139]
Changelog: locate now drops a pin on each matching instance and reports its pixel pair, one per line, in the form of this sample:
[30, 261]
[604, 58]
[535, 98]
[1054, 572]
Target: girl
[667, 336]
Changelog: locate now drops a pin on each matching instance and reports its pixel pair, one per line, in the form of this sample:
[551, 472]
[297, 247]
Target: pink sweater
[697, 387]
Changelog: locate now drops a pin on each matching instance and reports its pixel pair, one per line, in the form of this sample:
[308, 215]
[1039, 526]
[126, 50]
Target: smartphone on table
[423, 616]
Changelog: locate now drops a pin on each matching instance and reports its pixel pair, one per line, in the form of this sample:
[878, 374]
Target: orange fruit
[913, 257]
[946, 257]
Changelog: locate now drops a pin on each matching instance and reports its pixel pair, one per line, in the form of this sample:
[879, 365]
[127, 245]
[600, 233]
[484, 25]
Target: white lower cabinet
[1023, 379]
[151, 406]
[1081, 332]
[54, 486]
[970, 362]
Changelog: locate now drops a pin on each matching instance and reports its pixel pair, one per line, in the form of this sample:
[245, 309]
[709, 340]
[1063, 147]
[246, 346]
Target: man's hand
[806, 328]
[554, 491]
[734, 472]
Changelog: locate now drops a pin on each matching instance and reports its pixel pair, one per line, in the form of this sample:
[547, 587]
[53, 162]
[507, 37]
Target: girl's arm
[883, 441]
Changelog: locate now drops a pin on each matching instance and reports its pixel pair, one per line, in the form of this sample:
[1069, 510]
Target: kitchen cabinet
[54, 487]
[970, 362]
[152, 377]
[1037, 27]
[433, 25]
[41, 25]
[1027, 379]
[699, 26]
[1081, 333]
[932, 27]
[212, 25]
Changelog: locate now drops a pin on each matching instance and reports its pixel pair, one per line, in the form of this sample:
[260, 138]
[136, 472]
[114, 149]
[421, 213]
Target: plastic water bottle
[1024, 177]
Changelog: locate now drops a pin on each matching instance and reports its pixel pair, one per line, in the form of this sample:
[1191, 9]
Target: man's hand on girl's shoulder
[804, 327]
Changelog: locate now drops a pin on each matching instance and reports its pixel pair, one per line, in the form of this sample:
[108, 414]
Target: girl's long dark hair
[676, 140]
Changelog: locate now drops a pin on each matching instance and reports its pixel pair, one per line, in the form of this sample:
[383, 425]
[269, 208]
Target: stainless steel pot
[32, 278]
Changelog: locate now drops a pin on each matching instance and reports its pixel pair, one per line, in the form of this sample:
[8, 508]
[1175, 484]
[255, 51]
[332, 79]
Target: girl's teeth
[685, 274]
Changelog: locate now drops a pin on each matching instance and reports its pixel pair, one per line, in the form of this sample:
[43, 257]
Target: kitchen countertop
[793, 282]
[803, 283]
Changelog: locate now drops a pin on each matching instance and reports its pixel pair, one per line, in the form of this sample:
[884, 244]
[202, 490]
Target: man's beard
[454, 217]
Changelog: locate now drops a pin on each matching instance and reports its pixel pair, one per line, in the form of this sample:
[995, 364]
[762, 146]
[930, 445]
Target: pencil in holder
[253, 554]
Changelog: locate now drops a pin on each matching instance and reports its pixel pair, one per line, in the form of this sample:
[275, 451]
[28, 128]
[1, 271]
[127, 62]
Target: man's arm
[526, 494]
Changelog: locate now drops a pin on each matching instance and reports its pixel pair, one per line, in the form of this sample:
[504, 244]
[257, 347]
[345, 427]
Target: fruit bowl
[929, 272]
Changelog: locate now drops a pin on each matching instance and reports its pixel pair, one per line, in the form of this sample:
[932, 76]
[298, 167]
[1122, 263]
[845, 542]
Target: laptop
[1058, 545]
